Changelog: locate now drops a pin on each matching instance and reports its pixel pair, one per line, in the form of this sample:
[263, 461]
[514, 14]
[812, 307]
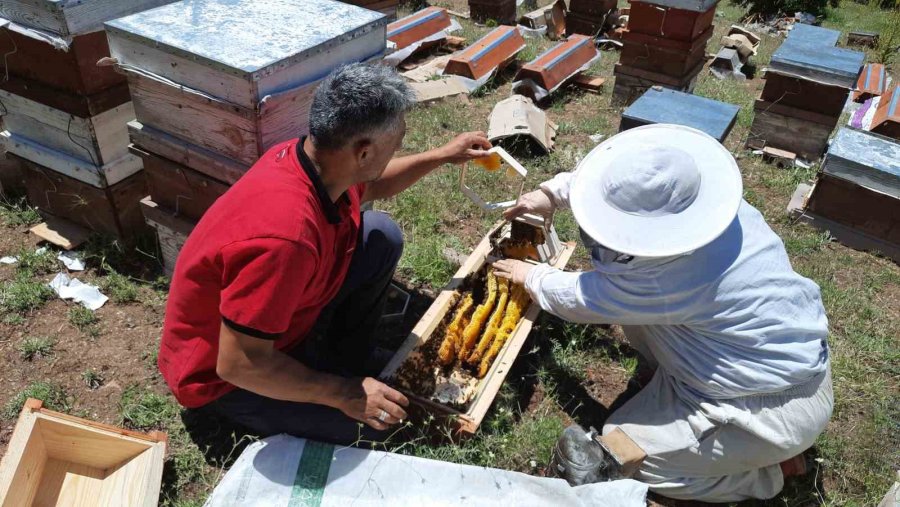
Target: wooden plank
[589, 82]
[188, 154]
[805, 138]
[438, 89]
[166, 218]
[61, 233]
[170, 244]
[804, 94]
[218, 126]
[79, 105]
[872, 213]
[63, 482]
[34, 14]
[778, 108]
[83, 17]
[25, 457]
[285, 116]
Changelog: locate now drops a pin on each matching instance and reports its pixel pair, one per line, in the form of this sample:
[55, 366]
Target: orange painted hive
[887, 116]
[490, 52]
[560, 62]
[418, 26]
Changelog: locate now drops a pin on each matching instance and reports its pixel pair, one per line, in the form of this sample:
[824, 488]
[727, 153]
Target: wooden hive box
[489, 53]
[67, 18]
[801, 132]
[560, 63]
[683, 20]
[417, 26]
[583, 24]
[596, 9]
[58, 459]
[96, 140]
[665, 56]
[74, 104]
[470, 418]
[171, 232]
[804, 59]
[811, 35]
[386, 7]
[72, 69]
[111, 210]
[887, 116]
[631, 82]
[805, 94]
[221, 75]
[501, 11]
[190, 155]
[187, 193]
[662, 105]
[871, 83]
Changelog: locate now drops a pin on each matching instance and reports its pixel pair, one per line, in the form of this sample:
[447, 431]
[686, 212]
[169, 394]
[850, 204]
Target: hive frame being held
[467, 421]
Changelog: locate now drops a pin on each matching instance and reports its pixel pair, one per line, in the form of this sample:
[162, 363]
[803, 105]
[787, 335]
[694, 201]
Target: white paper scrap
[9, 259]
[72, 288]
[72, 262]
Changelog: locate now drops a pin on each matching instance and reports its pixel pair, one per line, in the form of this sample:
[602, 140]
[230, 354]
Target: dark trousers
[341, 343]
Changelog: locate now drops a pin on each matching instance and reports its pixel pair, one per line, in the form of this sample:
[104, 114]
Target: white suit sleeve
[595, 298]
[558, 188]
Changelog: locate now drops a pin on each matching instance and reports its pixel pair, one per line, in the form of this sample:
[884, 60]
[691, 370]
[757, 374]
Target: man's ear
[362, 150]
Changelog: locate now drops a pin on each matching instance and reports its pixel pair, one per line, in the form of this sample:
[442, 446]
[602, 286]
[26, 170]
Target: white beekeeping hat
[656, 191]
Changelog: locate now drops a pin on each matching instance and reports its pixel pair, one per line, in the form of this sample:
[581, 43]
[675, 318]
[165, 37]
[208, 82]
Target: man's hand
[513, 270]
[465, 147]
[536, 202]
[374, 403]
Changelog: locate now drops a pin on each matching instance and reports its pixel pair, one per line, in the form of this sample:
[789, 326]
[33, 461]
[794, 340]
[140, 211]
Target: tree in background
[786, 7]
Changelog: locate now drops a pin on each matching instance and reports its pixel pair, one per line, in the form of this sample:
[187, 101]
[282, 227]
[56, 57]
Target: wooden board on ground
[58, 459]
[438, 89]
[61, 233]
[589, 82]
[468, 421]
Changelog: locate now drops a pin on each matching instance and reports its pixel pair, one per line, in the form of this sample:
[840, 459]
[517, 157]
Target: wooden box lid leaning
[418, 26]
[887, 116]
[871, 83]
[489, 53]
[559, 63]
[58, 459]
[661, 105]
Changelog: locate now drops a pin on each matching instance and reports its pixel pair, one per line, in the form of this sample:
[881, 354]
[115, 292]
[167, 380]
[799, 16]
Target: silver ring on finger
[383, 415]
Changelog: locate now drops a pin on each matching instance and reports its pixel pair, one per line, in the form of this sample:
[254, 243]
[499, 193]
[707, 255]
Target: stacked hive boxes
[665, 45]
[588, 16]
[858, 188]
[65, 117]
[216, 83]
[807, 84]
[501, 11]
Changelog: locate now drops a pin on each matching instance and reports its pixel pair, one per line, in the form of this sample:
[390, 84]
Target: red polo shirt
[265, 259]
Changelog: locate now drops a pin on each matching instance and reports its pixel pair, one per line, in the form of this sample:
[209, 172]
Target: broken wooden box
[219, 74]
[662, 105]
[171, 231]
[490, 53]
[418, 26]
[556, 66]
[455, 391]
[96, 140]
[58, 459]
[857, 192]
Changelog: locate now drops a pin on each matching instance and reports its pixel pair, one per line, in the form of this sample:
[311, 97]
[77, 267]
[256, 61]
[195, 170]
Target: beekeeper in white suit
[704, 290]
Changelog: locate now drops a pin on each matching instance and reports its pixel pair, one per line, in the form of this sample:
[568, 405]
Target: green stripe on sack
[312, 474]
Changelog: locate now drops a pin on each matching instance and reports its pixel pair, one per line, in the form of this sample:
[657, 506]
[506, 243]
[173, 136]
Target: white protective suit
[743, 379]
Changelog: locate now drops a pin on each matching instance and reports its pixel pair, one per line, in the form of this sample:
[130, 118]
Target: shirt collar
[331, 209]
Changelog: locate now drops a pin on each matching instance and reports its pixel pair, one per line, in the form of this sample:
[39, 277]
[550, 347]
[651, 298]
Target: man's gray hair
[355, 100]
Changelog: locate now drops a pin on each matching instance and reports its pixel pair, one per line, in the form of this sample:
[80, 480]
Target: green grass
[92, 378]
[22, 295]
[84, 320]
[32, 347]
[119, 288]
[18, 213]
[53, 396]
[146, 410]
[36, 262]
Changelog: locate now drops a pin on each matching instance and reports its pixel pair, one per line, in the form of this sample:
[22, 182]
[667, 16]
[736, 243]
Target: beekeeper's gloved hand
[537, 202]
[513, 270]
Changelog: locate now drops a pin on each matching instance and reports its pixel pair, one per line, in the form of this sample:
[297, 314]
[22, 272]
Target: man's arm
[402, 172]
[255, 365]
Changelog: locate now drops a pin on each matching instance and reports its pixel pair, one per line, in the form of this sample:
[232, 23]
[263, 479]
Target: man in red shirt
[278, 290]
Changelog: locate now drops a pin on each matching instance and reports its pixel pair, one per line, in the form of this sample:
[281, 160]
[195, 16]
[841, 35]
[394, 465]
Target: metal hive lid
[868, 159]
[830, 65]
[663, 105]
[813, 35]
[248, 37]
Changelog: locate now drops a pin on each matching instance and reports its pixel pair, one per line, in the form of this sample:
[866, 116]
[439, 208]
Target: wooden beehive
[804, 94]
[67, 18]
[559, 63]
[887, 116]
[502, 12]
[72, 70]
[111, 210]
[662, 105]
[871, 83]
[469, 418]
[801, 132]
[179, 189]
[803, 57]
[676, 20]
[418, 26]
[171, 232]
[71, 103]
[221, 75]
[665, 56]
[493, 51]
[97, 140]
[632, 82]
[57, 459]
